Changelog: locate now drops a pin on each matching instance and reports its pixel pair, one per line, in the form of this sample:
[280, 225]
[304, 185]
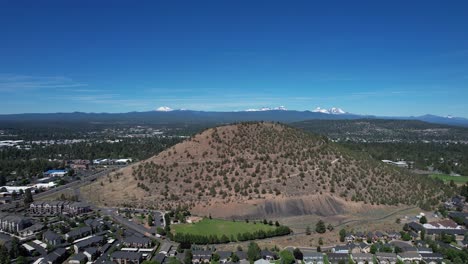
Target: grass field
[218, 227]
[447, 178]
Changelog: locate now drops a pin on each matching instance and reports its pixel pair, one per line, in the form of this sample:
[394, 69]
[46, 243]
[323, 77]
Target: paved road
[158, 216]
[76, 184]
[112, 212]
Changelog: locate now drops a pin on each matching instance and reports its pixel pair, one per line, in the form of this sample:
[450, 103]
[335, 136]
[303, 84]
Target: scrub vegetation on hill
[263, 161]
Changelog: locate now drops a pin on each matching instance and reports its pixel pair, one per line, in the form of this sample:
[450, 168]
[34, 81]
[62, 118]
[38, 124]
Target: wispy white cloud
[13, 82]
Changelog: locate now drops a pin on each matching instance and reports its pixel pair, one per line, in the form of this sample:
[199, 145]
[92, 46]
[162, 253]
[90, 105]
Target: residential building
[379, 235]
[79, 258]
[386, 258]
[313, 257]
[57, 256]
[13, 223]
[47, 208]
[159, 258]
[409, 257]
[138, 242]
[89, 242]
[91, 253]
[52, 238]
[268, 255]
[201, 256]
[363, 258]
[31, 230]
[432, 258]
[424, 250]
[123, 257]
[335, 258]
[165, 248]
[51, 208]
[349, 238]
[342, 249]
[394, 235]
[77, 208]
[96, 225]
[446, 226]
[223, 256]
[55, 173]
[78, 233]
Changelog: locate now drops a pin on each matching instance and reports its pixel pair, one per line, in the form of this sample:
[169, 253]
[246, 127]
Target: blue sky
[368, 57]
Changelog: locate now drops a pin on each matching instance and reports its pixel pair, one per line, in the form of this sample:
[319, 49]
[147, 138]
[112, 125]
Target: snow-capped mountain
[337, 111]
[333, 111]
[282, 108]
[279, 108]
[321, 110]
[164, 109]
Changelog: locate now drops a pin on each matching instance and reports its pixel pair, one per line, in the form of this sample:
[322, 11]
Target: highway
[111, 212]
[76, 184]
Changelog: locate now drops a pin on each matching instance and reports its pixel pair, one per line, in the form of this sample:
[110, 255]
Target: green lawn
[447, 178]
[218, 227]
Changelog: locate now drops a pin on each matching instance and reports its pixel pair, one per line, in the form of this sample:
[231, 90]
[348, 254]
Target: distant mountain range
[165, 115]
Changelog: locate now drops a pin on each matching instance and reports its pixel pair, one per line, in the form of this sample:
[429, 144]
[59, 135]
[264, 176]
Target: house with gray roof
[363, 258]
[79, 258]
[201, 256]
[335, 258]
[224, 256]
[77, 208]
[31, 230]
[89, 242]
[51, 238]
[310, 257]
[159, 258]
[91, 253]
[78, 233]
[56, 256]
[424, 250]
[409, 257]
[432, 258]
[96, 225]
[386, 258]
[165, 248]
[124, 257]
[268, 255]
[14, 223]
[138, 242]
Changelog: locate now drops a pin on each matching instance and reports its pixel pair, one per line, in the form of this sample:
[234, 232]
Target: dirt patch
[319, 205]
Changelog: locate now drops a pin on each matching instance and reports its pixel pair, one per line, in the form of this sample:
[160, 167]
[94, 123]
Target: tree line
[187, 238]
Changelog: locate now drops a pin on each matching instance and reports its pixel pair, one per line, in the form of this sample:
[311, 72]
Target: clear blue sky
[368, 57]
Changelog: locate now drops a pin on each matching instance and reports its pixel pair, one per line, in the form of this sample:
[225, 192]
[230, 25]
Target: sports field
[447, 178]
[219, 227]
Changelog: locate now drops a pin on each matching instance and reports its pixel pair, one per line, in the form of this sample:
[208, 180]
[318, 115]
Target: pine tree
[28, 198]
[423, 220]
[320, 227]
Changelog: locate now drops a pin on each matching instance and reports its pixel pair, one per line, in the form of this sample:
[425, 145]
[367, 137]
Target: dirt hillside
[260, 169]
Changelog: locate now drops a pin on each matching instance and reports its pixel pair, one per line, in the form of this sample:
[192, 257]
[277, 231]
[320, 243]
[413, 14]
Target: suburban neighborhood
[75, 232]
